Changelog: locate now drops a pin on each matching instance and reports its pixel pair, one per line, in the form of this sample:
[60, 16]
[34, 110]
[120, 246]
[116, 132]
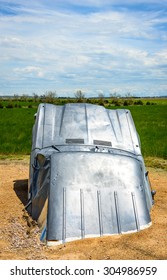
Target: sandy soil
[19, 235]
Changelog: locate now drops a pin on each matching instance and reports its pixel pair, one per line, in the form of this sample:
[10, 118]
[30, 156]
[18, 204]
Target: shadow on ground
[21, 190]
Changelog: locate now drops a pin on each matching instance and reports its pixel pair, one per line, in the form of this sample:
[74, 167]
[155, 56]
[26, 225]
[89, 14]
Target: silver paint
[87, 174]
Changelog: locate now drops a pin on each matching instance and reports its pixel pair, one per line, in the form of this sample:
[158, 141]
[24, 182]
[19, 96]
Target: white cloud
[10, 41]
[98, 51]
[30, 71]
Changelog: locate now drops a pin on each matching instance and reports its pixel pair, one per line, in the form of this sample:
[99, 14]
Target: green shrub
[100, 102]
[125, 103]
[9, 106]
[138, 102]
[117, 103]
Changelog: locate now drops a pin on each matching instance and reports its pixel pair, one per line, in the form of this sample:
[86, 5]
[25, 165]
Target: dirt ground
[19, 235]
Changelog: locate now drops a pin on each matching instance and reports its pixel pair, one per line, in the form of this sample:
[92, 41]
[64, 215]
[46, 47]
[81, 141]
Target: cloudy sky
[98, 46]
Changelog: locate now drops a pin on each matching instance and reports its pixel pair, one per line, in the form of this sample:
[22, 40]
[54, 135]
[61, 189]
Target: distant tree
[24, 97]
[115, 95]
[35, 96]
[101, 99]
[50, 96]
[129, 95]
[129, 99]
[16, 97]
[79, 95]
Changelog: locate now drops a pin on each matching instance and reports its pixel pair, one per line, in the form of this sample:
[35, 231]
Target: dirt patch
[19, 234]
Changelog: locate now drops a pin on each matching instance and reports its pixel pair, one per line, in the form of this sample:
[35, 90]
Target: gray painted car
[87, 174]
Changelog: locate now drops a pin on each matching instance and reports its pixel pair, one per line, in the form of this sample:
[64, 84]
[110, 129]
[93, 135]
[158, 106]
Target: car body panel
[87, 173]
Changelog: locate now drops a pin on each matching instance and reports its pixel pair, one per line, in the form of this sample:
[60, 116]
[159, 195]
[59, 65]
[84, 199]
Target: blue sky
[98, 46]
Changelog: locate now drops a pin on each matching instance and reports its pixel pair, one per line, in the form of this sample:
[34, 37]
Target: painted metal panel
[87, 174]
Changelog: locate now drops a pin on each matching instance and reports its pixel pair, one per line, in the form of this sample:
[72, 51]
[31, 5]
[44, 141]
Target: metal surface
[87, 174]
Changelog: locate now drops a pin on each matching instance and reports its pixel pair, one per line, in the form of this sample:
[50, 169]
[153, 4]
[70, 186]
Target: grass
[151, 124]
[16, 130]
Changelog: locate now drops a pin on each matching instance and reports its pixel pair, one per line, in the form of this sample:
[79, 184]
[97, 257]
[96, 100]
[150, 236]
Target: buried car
[87, 173]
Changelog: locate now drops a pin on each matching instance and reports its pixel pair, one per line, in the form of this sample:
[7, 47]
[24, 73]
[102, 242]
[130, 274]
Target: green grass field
[16, 130]
[151, 123]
